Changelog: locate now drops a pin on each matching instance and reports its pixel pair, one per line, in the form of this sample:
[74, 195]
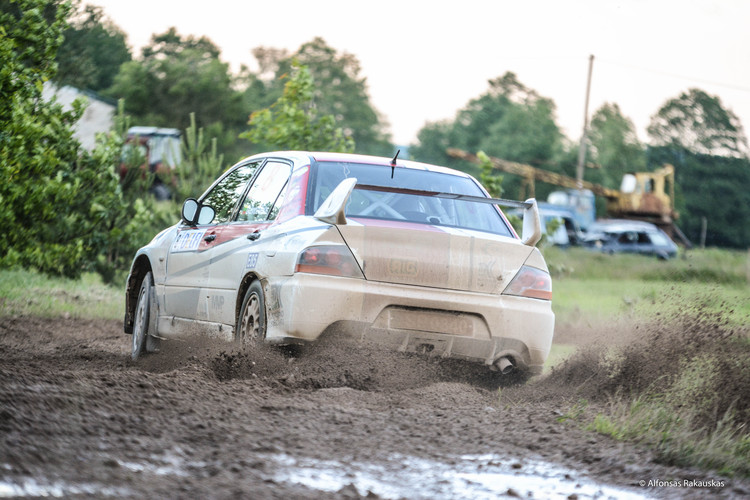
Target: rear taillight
[336, 260]
[531, 282]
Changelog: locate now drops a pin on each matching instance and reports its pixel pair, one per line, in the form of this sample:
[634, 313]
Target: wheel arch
[141, 266]
[244, 285]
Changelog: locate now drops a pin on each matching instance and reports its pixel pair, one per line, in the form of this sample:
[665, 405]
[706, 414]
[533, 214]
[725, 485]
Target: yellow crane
[646, 196]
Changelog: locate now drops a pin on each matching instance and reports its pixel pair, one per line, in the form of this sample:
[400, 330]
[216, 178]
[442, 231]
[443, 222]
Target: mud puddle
[474, 477]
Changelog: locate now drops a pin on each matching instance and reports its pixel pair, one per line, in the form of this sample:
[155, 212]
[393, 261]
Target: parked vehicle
[558, 224]
[566, 231]
[159, 150]
[284, 247]
[626, 236]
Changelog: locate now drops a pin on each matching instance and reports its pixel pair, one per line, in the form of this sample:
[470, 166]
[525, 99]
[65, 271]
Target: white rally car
[286, 246]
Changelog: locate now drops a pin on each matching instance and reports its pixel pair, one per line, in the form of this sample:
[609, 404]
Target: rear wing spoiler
[333, 208]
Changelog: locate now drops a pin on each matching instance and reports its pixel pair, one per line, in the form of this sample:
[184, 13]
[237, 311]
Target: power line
[675, 75]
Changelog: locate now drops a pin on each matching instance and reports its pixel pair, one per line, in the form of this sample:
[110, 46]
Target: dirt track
[79, 419]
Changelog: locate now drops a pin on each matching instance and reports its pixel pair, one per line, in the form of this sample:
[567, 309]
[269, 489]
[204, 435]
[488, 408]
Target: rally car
[286, 246]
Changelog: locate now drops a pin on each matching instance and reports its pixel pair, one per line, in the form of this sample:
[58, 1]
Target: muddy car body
[288, 246]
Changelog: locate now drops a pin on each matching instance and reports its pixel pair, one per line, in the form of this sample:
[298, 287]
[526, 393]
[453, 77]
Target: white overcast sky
[424, 60]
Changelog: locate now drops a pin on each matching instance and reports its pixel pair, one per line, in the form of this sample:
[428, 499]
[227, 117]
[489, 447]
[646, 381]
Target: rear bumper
[475, 326]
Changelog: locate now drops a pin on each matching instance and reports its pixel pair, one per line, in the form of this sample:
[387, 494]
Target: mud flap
[152, 339]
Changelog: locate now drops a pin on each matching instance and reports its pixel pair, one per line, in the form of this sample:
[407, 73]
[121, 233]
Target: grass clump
[677, 436]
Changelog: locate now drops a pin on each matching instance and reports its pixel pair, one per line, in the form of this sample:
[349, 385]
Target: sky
[423, 60]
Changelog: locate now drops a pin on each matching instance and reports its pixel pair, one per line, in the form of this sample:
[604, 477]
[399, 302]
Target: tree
[710, 187]
[615, 147]
[292, 122]
[508, 121]
[200, 165]
[177, 76]
[340, 91]
[697, 122]
[92, 52]
[526, 132]
[54, 196]
[433, 140]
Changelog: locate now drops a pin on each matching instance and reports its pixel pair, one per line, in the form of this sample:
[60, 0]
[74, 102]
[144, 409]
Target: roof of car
[615, 225]
[550, 209]
[323, 156]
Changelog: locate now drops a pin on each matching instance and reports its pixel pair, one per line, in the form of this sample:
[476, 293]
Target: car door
[233, 253]
[627, 242]
[187, 267]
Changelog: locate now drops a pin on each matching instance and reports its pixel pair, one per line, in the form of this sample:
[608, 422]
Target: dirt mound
[363, 366]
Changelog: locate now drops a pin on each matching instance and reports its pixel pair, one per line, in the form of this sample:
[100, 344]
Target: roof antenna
[393, 163]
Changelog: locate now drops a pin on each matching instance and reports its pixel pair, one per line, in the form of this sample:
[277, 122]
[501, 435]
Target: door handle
[209, 238]
[253, 236]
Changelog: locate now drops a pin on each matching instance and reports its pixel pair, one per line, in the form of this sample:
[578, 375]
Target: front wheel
[251, 324]
[143, 339]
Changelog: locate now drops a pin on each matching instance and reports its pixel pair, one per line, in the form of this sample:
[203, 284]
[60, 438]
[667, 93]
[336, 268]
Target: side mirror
[190, 210]
[206, 215]
[195, 213]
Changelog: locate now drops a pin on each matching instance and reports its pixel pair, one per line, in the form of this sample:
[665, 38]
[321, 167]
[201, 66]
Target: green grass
[26, 293]
[724, 267]
[675, 436]
[601, 286]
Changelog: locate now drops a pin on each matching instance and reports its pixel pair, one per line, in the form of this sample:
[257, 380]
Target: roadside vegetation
[606, 286]
[663, 354]
[31, 293]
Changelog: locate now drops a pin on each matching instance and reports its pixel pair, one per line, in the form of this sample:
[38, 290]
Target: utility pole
[582, 148]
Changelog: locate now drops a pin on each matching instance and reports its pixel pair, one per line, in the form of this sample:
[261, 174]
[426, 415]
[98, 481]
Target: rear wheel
[251, 324]
[143, 340]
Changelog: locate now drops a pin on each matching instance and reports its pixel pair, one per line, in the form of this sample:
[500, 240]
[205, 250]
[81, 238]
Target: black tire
[144, 321]
[251, 323]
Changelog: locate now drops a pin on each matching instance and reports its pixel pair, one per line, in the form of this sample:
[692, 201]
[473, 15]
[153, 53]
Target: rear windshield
[403, 206]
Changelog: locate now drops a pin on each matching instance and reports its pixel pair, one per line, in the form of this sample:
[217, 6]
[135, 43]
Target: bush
[64, 210]
[51, 197]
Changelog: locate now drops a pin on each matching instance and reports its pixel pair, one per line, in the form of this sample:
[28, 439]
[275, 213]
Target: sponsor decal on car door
[188, 271]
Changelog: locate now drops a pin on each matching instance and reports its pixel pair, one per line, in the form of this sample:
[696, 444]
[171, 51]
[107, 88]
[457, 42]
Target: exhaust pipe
[505, 365]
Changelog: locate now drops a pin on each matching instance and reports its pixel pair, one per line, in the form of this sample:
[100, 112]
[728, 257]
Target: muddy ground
[78, 418]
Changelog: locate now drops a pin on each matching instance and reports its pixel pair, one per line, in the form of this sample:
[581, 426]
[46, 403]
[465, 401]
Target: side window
[225, 195]
[266, 194]
[658, 239]
[628, 238]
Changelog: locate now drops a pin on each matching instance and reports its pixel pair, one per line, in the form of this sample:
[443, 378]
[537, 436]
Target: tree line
[66, 210]
[177, 74]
